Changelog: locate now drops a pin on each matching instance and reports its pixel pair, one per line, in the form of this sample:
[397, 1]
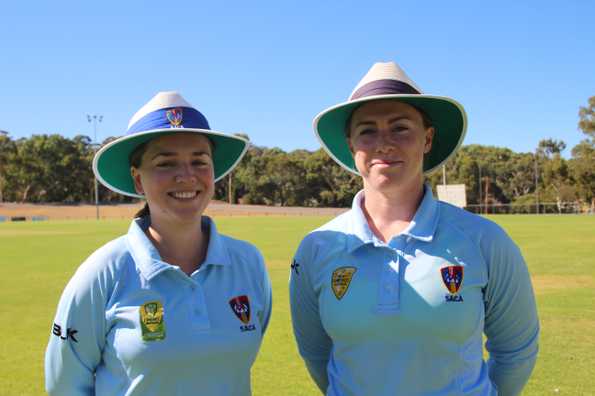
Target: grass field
[37, 259]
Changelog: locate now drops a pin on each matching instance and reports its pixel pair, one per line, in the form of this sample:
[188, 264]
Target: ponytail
[143, 212]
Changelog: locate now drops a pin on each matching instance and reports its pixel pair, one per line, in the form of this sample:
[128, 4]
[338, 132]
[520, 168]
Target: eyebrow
[173, 154]
[398, 118]
[390, 121]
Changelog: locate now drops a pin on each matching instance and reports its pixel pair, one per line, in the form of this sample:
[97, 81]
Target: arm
[313, 342]
[77, 336]
[511, 323]
[268, 297]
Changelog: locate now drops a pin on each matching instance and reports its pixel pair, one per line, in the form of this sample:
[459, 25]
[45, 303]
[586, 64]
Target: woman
[393, 296]
[172, 307]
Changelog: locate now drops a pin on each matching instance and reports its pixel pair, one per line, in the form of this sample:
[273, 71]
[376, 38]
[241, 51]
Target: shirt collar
[422, 226]
[424, 223]
[147, 257]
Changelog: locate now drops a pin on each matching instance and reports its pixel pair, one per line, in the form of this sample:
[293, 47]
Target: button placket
[388, 296]
[199, 313]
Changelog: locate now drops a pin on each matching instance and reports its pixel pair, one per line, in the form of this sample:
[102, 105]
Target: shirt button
[192, 287]
[196, 311]
[388, 288]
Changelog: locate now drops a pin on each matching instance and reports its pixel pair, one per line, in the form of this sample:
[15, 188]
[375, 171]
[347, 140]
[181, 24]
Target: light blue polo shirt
[407, 317]
[130, 324]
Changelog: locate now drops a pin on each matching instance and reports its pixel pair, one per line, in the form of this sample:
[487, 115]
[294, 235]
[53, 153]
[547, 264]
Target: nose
[385, 141]
[185, 174]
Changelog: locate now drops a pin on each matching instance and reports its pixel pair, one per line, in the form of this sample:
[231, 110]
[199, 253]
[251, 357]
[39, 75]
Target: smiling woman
[172, 307]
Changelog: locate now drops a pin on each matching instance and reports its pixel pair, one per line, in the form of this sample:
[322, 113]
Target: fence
[541, 208]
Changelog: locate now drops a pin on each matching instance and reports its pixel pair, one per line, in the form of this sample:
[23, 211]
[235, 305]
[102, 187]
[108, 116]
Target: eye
[199, 163]
[165, 164]
[400, 128]
[366, 131]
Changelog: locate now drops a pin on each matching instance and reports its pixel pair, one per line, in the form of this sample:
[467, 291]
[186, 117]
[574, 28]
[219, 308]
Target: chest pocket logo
[240, 306]
[151, 321]
[341, 280]
[452, 276]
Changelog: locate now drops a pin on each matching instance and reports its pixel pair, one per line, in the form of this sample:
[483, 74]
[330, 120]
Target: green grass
[37, 259]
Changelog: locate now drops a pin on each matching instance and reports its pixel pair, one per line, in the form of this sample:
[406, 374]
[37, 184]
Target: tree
[549, 147]
[587, 119]
[582, 164]
[7, 153]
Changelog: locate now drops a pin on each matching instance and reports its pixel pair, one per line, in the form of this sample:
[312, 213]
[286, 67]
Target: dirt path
[126, 211]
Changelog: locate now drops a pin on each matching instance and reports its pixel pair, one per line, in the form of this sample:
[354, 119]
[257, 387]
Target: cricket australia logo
[240, 306]
[341, 280]
[151, 321]
[452, 276]
[174, 116]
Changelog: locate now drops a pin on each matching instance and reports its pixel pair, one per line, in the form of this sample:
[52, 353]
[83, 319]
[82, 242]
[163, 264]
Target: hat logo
[174, 116]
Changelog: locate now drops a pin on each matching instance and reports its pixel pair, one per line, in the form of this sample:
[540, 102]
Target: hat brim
[111, 164]
[447, 115]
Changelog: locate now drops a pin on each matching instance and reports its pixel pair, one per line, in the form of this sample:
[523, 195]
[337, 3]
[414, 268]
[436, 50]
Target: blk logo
[68, 334]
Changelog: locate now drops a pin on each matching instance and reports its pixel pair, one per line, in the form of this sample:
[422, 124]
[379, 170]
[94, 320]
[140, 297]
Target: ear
[429, 139]
[138, 186]
[350, 144]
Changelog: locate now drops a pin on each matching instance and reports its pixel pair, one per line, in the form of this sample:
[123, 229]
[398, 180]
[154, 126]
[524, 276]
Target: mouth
[184, 195]
[385, 162]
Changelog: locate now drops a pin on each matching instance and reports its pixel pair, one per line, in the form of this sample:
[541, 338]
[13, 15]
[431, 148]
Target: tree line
[52, 168]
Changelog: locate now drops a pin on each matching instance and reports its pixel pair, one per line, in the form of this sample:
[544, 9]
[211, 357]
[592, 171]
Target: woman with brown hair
[172, 307]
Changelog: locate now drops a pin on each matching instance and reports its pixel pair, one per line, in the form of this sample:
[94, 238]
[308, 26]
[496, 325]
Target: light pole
[536, 186]
[444, 175]
[94, 119]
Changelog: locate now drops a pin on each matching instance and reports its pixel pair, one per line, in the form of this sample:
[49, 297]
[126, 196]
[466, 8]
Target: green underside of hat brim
[448, 120]
[112, 166]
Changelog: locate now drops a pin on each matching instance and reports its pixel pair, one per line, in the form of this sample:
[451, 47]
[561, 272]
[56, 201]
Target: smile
[183, 194]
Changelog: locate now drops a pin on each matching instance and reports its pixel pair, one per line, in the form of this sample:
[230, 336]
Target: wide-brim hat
[388, 81]
[165, 114]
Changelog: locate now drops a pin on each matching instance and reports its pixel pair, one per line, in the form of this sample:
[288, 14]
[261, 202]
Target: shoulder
[473, 226]
[488, 237]
[241, 251]
[328, 239]
[337, 224]
[102, 268]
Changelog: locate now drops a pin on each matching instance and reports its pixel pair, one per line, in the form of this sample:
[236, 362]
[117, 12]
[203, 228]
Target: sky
[521, 69]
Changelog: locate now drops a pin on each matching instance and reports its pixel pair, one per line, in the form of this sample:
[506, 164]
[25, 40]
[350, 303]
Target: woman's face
[176, 177]
[388, 141]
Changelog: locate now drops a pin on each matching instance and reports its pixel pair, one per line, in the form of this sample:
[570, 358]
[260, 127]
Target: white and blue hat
[387, 81]
[165, 114]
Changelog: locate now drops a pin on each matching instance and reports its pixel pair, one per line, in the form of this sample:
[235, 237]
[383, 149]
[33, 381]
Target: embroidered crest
[341, 279]
[174, 116]
[151, 321]
[240, 306]
[452, 276]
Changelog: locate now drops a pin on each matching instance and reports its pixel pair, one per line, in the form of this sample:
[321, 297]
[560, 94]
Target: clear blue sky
[520, 68]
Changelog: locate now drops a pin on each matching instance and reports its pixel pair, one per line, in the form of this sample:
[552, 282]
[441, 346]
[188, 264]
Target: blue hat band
[172, 117]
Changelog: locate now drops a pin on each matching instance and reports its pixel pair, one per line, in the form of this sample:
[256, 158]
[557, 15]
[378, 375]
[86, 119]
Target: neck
[389, 212]
[184, 245]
